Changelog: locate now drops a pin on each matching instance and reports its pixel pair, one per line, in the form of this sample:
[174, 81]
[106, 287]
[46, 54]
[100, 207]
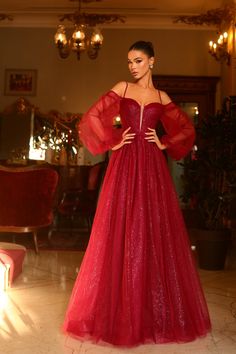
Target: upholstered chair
[26, 199]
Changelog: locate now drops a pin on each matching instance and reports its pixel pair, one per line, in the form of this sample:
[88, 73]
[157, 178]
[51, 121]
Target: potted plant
[209, 186]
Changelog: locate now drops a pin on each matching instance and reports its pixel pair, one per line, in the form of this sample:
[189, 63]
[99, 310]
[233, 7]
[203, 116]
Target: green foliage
[210, 173]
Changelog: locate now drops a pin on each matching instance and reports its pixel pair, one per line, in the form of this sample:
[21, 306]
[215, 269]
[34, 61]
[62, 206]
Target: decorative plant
[210, 173]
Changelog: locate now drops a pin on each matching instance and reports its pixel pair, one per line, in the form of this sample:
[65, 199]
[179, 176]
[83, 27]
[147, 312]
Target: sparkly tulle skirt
[138, 281]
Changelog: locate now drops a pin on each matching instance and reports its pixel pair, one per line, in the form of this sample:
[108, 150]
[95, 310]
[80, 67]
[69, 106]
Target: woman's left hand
[152, 137]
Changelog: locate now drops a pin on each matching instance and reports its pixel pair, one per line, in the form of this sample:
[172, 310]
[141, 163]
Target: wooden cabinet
[197, 89]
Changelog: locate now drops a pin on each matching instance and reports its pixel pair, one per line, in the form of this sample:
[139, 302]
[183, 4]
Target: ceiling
[139, 13]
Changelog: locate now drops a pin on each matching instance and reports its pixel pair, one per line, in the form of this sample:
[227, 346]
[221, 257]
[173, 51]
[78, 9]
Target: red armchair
[26, 199]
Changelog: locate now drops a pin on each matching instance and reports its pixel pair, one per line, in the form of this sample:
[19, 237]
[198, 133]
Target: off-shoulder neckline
[141, 105]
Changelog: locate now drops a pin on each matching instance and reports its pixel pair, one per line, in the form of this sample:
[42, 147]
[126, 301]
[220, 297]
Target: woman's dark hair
[145, 47]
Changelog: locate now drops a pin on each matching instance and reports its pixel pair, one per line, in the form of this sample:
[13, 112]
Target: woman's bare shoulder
[165, 99]
[119, 88]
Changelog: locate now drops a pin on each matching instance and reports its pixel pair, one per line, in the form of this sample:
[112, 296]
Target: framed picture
[20, 82]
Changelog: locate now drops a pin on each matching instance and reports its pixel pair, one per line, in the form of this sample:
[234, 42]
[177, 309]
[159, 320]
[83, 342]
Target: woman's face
[139, 63]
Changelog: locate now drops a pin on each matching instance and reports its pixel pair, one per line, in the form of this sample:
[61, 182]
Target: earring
[151, 66]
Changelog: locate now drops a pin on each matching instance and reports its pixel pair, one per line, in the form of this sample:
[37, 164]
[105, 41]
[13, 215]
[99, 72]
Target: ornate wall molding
[220, 17]
[6, 17]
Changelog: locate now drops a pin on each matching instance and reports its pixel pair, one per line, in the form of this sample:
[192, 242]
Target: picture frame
[20, 82]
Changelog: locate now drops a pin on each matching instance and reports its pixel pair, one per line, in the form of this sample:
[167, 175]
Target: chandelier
[86, 36]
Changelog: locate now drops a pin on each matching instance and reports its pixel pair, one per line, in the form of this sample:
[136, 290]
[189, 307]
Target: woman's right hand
[127, 138]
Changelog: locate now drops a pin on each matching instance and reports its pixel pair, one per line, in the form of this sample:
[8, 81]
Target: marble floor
[32, 311]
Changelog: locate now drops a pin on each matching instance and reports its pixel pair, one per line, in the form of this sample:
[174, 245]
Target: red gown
[137, 282]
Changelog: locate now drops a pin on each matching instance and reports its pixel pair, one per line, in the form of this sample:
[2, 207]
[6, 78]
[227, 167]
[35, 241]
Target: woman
[138, 282]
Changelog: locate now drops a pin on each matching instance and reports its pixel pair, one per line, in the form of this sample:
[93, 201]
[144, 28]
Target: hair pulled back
[145, 47]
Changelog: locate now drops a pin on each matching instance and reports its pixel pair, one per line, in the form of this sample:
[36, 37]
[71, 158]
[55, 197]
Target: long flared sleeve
[96, 128]
[180, 132]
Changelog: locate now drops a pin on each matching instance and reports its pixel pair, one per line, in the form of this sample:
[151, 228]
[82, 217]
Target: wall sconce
[219, 49]
[222, 17]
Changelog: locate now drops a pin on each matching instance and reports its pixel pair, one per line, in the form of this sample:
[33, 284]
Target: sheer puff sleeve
[96, 128]
[180, 132]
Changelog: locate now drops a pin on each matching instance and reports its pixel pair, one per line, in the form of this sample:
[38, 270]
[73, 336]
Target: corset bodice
[139, 117]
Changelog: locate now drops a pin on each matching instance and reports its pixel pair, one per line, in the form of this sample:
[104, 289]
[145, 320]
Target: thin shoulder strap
[125, 89]
[159, 96]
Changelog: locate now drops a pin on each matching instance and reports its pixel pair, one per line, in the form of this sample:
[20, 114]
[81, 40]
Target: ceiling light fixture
[86, 37]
